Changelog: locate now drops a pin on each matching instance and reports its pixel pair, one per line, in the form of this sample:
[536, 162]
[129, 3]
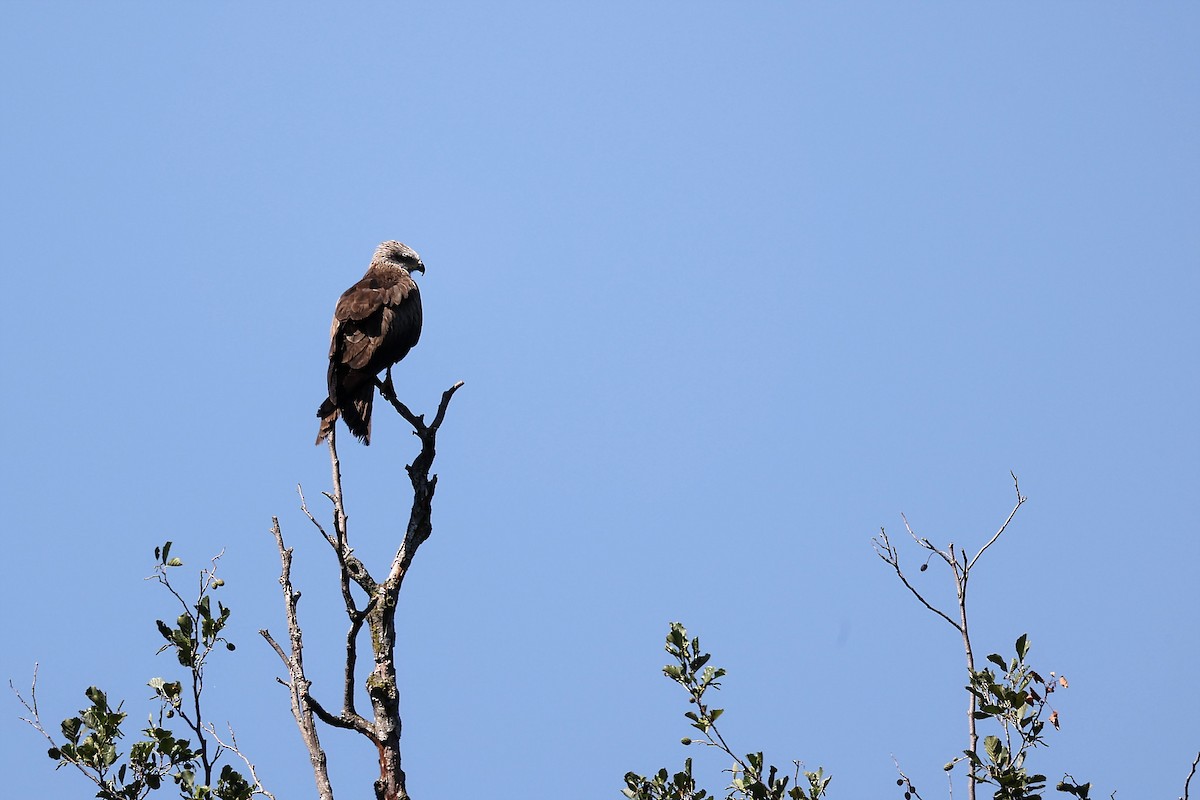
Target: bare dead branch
[348, 563]
[304, 507]
[441, 412]
[266, 634]
[346, 720]
[387, 390]
[1187, 784]
[35, 719]
[344, 555]
[891, 557]
[1020, 502]
[299, 684]
[377, 614]
[947, 556]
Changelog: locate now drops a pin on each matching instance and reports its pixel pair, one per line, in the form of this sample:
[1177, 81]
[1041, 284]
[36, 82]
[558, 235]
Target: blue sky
[730, 285]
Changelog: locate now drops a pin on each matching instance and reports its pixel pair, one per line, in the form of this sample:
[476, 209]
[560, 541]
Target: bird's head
[401, 254]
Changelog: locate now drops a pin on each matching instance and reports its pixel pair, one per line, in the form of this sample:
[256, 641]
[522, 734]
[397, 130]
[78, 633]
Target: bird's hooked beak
[417, 267]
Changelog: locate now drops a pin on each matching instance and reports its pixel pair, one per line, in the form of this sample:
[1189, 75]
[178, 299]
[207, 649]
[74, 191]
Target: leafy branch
[751, 779]
[91, 739]
[1016, 698]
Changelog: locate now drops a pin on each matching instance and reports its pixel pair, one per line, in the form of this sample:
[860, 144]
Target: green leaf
[993, 747]
[677, 635]
[97, 697]
[997, 660]
[1022, 646]
[70, 729]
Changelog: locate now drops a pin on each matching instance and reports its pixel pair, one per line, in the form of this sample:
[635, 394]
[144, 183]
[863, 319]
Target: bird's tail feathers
[357, 413]
[354, 407]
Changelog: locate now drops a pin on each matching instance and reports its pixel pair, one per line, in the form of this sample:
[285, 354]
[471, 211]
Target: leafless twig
[1187, 784]
[232, 747]
[298, 686]
[1020, 502]
[887, 551]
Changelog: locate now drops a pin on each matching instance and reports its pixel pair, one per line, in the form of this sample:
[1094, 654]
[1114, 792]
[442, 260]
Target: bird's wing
[364, 315]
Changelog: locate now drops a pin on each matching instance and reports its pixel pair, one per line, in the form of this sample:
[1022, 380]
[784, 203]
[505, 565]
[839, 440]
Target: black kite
[376, 322]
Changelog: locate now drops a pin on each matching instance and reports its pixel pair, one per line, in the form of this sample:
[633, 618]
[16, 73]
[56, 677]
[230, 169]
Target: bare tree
[377, 613]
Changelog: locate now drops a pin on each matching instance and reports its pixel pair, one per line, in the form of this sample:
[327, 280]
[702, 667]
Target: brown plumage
[375, 324]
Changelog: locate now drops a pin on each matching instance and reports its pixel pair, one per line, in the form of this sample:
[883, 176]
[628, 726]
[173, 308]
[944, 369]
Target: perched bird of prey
[376, 322]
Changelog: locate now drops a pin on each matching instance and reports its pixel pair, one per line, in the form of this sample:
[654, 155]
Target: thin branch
[298, 687]
[339, 508]
[1187, 784]
[343, 552]
[348, 563]
[346, 720]
[441, 412]
[908, 785]
[35, 721]
[356, 622]
[419, 522]
[266, 634]
[304, 507]
[891, 557]
[949, 557]
[232, 747]
[387, 391]
[1020, 502]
